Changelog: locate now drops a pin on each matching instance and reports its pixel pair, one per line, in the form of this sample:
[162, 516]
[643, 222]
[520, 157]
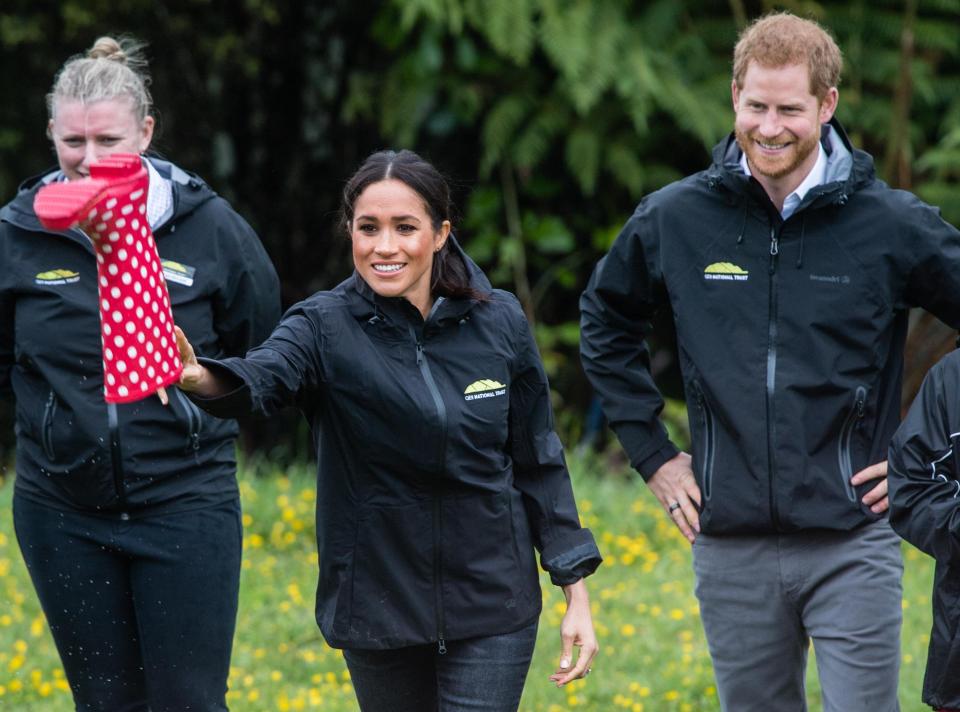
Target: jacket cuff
[571, 557]
[647, 445]
[650, 464]
[231, 404]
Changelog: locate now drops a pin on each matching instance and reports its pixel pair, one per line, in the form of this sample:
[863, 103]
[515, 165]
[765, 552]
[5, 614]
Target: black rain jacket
[74, 450]
[924, 476]
[439, 470]
[790, 333]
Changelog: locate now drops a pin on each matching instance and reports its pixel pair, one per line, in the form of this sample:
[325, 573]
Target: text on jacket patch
[484, 388]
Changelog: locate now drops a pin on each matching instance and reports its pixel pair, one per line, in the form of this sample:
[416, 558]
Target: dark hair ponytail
[449, 276]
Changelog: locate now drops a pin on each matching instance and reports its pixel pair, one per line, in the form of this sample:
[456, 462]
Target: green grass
[653, 655]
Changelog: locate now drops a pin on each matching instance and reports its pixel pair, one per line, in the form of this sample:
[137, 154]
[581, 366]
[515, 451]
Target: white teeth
[387, 268]
[771, 146]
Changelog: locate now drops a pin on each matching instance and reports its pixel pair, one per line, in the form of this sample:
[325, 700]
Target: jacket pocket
[845, 446]
[707, 440]
[488, 582]
[46, 429]
[194, 421]
[392, 594]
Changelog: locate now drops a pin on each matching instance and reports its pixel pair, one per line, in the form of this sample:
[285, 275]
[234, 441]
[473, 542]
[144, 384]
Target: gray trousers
[764, 597]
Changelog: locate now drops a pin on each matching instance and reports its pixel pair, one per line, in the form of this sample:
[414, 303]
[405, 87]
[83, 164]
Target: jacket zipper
[194, 420]
[116, 458]
[49, 412]
[437, 503]
[706, 418]
[771, 378]
[846, 436]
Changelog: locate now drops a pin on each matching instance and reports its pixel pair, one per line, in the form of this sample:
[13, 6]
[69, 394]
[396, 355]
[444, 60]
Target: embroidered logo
[178, 273]
[484, 388]
[725, 271]
[830, 278]
[57, 276]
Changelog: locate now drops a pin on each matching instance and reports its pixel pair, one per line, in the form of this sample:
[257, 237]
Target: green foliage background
[552, 117]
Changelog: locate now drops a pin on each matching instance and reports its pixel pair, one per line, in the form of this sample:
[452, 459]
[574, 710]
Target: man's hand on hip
[676, 488]
[876, 498]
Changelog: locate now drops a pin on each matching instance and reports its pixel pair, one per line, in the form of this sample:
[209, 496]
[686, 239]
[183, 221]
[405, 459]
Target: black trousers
[142, 611]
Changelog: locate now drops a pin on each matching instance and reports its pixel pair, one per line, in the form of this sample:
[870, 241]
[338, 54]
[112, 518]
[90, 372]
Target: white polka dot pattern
[130, 281]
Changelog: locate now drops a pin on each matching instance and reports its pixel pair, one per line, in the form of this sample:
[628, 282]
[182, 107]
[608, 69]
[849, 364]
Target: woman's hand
[576, 629]
[194, 377]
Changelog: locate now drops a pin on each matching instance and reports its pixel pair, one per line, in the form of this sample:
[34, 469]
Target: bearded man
[790, 270]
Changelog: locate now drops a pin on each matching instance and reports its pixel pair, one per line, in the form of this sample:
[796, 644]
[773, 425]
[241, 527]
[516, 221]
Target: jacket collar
[848, 169]
[189, 190]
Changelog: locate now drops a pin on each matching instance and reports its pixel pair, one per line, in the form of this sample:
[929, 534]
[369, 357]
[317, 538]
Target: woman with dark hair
[439, 471]
[127, 513]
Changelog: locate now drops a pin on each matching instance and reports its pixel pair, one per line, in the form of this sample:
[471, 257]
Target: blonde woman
[128, 516]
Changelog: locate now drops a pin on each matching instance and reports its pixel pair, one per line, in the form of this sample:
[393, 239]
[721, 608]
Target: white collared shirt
[159, 198]
[815, 177]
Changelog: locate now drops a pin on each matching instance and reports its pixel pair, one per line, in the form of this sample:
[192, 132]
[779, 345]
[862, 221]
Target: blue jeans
[142, 611]
[476, 674]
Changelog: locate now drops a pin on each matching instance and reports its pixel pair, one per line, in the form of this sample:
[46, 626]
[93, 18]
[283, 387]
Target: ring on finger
[674, 506]
[587, 671]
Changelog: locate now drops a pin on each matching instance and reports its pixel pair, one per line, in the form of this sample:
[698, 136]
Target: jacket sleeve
[247, 306]
[568, 551]
[6, 339]
[934, 254]
[7, 315]
[616, 309]
[272, 375]
[924, 466]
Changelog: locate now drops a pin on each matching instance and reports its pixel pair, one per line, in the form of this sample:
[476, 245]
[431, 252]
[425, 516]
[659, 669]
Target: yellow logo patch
[178, 272]
[176, 266]
[58, 276]
[484, 388]
[726, 272]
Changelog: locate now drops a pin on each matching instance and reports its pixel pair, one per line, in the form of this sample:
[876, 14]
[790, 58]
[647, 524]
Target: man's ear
[829, 104]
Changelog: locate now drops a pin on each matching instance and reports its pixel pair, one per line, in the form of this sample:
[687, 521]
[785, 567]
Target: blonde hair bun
[107, 48]
[111, 68]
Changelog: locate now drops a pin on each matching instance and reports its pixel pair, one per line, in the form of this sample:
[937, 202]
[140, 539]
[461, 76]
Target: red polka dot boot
[139, 348]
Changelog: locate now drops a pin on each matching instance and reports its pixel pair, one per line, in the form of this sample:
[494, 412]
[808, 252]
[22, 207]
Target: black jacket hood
[848, 169]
